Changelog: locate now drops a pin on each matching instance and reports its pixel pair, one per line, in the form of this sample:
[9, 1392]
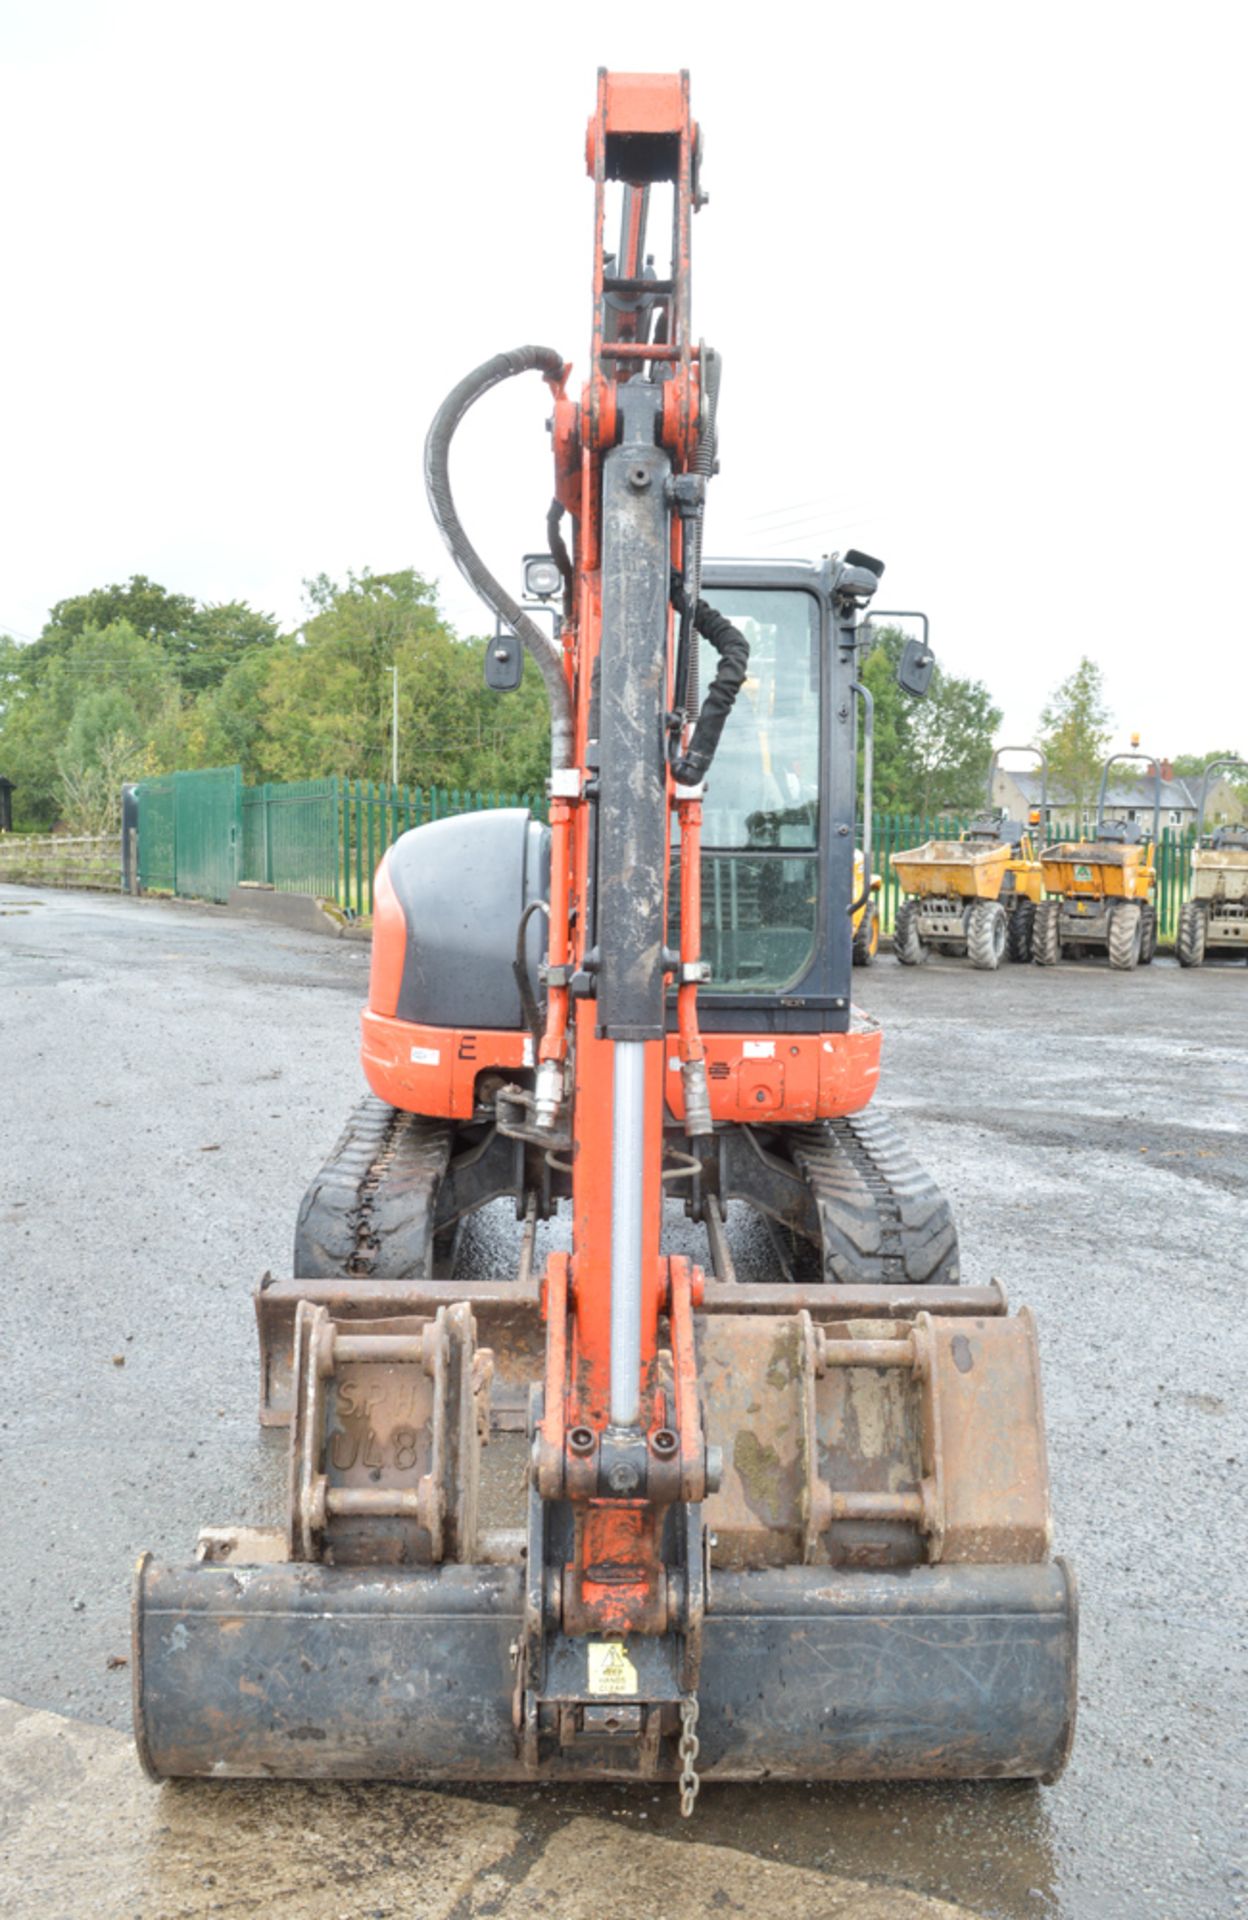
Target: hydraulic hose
[545, 651]
[734, 657]
[559, 551]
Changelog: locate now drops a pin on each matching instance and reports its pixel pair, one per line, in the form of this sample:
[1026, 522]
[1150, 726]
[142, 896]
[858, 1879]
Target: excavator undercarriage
[612, 1516]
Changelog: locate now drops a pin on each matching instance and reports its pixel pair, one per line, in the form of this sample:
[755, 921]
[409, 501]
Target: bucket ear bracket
[385, 1439]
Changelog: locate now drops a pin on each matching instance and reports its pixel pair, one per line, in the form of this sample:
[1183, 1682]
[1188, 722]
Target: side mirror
[915, 668]
[504, 661]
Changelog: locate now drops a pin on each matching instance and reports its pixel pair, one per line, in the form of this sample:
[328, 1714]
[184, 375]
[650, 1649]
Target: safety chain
[689, 1744]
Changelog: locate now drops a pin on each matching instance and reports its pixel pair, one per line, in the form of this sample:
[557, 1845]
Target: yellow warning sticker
[610, 1669]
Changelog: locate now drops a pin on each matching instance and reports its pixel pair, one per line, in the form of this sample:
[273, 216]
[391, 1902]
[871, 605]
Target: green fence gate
[190, 832]
[157, 849]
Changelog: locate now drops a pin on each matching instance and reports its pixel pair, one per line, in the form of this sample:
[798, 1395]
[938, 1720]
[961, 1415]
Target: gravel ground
[172, 1078]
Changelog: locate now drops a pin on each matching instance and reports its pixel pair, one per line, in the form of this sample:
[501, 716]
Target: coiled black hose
[734, 657]
[545, 651]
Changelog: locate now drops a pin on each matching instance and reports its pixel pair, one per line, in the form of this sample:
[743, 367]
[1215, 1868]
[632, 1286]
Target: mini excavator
[724, 1528]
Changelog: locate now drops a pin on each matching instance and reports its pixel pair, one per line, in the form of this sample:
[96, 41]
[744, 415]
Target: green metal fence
[199, 833]
[374, 814]
[290, 836]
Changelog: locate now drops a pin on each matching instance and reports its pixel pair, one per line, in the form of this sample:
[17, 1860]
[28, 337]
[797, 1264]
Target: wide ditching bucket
[866, 1594]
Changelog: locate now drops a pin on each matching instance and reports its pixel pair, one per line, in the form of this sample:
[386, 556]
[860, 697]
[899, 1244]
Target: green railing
[290, 836]
[199, 833]
[374, 814]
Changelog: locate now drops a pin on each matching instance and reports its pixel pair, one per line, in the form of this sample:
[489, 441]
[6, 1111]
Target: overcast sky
[977, 273]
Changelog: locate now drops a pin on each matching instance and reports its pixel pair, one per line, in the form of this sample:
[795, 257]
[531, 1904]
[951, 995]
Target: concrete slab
[302, 911]
[84, 1834]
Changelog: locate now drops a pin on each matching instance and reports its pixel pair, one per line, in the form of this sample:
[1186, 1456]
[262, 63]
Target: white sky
[977, 272]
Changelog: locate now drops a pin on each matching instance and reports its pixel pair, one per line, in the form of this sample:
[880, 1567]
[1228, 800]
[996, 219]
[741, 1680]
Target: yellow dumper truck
[1217, 913]
[977, 894]
[1100, 892]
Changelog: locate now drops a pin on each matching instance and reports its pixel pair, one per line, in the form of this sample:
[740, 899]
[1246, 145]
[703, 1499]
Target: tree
[931, 756]
[326, 698]
[201, 643]
[101, 682]
[91, 781]
[218, 638]
[1074, 735]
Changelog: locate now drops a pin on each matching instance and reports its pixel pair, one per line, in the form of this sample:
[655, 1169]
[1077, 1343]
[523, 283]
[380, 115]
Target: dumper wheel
[985, 935]
[1046, 945]
[1148, 933]
[906, 942]
[1022, 922]
[1126, 932]
[1190, 944]
[867, 936]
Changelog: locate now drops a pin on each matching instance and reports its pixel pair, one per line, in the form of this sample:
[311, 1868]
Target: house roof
[1175, 794]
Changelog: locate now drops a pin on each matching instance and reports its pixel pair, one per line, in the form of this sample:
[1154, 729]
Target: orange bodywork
[788, 1078]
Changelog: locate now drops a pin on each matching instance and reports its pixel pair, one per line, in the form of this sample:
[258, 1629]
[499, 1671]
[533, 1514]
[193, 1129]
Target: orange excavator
[633, 1518]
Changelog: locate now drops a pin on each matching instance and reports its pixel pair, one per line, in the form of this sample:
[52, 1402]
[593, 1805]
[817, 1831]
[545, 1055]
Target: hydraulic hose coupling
[548, 1095]
[697, 1096]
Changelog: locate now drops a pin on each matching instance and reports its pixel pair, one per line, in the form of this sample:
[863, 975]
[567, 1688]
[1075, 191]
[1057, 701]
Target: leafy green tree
[133, 675]
[1075, 735]
[327, 696]
[147, 609]
[931, 755]
[1190, 766]
[201, 643]
[218, 638]
[101, 683]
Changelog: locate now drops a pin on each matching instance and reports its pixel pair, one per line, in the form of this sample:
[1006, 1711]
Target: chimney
[1167, 770]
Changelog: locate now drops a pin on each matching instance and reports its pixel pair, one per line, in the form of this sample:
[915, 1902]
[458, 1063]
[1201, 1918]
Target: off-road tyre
[1018, 940]
[986, 935]
[370, 1211]
[1046, 943]
[906, 942]
[1148, 933]
[883, 1219]
[867, 936]
[1126, 932]
[1190, 943]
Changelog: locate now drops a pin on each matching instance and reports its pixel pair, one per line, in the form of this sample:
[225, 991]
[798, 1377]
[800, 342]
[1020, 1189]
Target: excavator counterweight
[623, 1517]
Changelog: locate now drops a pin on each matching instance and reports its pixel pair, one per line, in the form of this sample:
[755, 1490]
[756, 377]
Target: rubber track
[883, 1218]
[369, 1213]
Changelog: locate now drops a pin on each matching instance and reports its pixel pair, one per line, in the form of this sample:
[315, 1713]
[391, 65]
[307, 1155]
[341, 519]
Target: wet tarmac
[83, 1836]
[172, 1077]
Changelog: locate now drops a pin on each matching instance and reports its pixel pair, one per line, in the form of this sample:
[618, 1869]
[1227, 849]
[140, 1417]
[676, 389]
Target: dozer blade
[314, 1672]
